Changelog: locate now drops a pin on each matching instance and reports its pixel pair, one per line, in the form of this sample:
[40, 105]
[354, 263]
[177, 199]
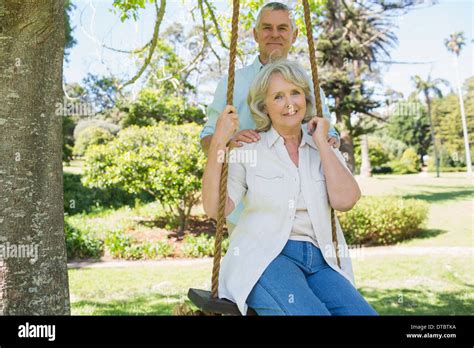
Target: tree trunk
[347, 149]
[433, 137]
[33, 266]
[365, 168]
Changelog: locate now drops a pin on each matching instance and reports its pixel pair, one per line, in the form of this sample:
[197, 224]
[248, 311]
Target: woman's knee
[266, 300]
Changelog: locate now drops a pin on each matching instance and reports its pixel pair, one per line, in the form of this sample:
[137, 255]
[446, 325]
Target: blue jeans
[300, 282]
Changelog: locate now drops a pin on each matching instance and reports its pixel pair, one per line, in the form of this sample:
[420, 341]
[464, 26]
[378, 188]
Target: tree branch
[160, 12]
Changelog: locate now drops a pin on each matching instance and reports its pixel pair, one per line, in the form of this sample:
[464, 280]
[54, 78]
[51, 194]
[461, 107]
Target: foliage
[129, 8]
[80, 244]
[70, 40]
[124, 246]
[378, 154]
[91, 122]
[165, 160]
[409, 163]
[393, 147]
[79, 199]
[409, 124]
[448, 126]
[100, 91]
[68, 139]
[201, 245]
[383, 220]
[91, 136]
[152, 107]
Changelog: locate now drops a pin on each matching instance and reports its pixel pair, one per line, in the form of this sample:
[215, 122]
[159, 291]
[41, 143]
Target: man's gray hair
[276, 6]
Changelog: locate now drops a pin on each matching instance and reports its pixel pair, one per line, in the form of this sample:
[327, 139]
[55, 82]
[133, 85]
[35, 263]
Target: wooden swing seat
[203, 300]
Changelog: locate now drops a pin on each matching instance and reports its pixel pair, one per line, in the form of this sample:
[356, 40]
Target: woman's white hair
[292, 72]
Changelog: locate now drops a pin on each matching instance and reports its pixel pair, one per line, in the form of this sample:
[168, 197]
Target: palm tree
[427, 88]
[454, 44]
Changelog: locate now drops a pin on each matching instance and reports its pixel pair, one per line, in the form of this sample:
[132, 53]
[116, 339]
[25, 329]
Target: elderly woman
[281, 259]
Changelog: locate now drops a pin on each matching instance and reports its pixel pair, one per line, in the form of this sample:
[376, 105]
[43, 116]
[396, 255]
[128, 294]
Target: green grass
[394, 285]
[417, 285]
[137, 290]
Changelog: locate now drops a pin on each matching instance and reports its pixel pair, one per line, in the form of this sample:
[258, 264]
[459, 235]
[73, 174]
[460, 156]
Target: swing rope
[319, 110]
[230, 91]
[223, 182]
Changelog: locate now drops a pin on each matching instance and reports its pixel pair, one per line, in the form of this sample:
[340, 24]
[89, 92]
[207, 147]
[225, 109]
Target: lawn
[433, 284]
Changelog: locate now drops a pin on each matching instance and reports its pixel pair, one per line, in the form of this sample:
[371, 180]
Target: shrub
[383, 220]
[201, 245]
[86, 123]
[91, 136]
[152, 107]
[411, 158]
[156, 249]
[122, 246]
[80, 244]
[378, 155]
[78, 199]
[408, 164]
[165, 160]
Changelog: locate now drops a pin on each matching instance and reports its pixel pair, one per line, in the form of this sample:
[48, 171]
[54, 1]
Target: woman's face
[285, 102]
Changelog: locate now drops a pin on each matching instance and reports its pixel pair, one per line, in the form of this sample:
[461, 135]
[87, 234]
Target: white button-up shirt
[264, 177]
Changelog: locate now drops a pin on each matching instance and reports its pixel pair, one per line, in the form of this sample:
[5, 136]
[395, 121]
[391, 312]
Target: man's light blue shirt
[243, 80]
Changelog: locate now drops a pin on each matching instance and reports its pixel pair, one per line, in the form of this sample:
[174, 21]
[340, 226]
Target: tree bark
[347, 149]
[32, 38]
[433, 136]
[365, 168]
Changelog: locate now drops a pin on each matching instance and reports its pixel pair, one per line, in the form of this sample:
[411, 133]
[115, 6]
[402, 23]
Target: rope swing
[209, 302]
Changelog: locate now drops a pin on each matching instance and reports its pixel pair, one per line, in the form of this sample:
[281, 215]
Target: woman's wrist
[322, 145]
[217, 143]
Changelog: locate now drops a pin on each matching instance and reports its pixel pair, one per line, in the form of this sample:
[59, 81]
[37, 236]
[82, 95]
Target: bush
[448, 162]
[408, 164]
[122, 246]
[152, 107]
[91, 136]
[432, 169]
[201, 245]
[86, 123]
[383, 220]
[411, 158]
[378, 155]
[165, 160]
[80, 244]
[79, 199]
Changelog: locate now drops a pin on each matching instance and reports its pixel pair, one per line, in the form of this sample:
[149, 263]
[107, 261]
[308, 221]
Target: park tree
[427, 88]
[33, 268]
[408, 122]
[354, 36]
[448, 124]
[454, 44]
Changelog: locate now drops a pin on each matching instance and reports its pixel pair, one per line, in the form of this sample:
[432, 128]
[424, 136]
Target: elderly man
[275, 32]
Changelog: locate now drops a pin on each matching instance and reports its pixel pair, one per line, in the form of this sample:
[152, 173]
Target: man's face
[274, 35]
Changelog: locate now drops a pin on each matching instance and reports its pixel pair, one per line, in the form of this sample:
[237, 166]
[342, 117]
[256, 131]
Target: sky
[420, 33]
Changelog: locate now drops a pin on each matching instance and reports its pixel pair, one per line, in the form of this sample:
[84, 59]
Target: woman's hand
[320, 135]
[227, 124]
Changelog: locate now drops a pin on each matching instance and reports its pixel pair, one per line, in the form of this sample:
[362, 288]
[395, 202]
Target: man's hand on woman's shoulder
[246, 136]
